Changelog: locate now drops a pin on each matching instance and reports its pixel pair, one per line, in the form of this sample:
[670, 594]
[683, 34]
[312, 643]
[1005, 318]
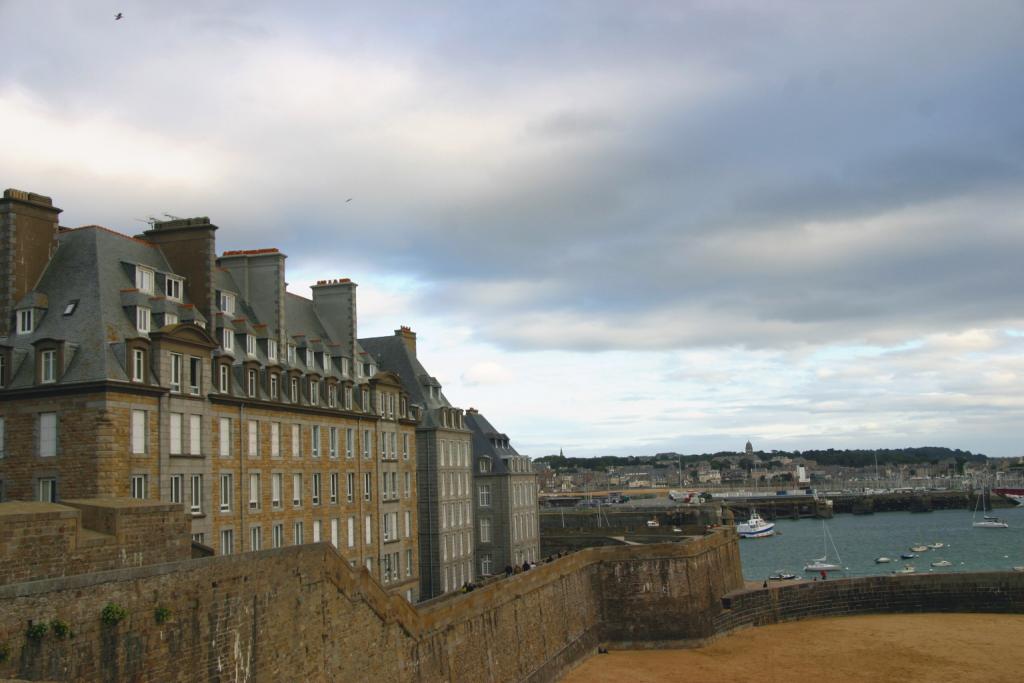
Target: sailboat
[821, 564]
[988, 521]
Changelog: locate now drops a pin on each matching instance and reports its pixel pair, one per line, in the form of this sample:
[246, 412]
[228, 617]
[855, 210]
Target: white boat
[755, 527]
[936, 546]
[907, 569]
[988, 521]
[942, 563]
[822, 564]
[782, 576]
[883, 560]
[919, 548]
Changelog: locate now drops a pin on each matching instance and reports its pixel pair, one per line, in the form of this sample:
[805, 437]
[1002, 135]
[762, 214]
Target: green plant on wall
[60, 628]
[161, 614]
[36, 632]
[113, 613]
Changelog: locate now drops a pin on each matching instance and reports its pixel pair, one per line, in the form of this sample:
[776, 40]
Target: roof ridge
[115, 233]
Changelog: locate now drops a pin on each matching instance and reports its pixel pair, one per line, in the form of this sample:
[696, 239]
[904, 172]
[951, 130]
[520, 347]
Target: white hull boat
[907, 569]
[822, 564]
[942, 563]
[755, 527]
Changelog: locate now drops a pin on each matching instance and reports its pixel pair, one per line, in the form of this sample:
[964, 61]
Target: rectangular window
[225, 378]
[48, 490]
[251, 383]
[254, 491]
[25, 321]
[368, 530]
[271, 349]
[309, 357]
[138, 432]
[225, 437]
[334, 487]
[176, 488]
[327, 363]
[140, 489]
[227, 303]
[316, 530]
[195, 434]
[196, 500]
[296, 442]
[344, 366]
[138, 365]
[227, 541]
[485, 531]
[314, 392]
[172, 288]
[297, 533]
[408, 484]
[227, 339]
[351, 532]
[142, 319]
[296, 489]
[48, 367]
[367, 486]
[47, 435]
[350, 486]
[316, 488]
[170, 319]
[275, 490]
[350, 439]
[275, 439]
[291, 354]
[366, 444]
[332, 396]
[485, 495]
[144, 280]
[334, 532]
[175, 372]
[273, 386]
[250, 345]
[348, 398]
[253, 446]
[255, 538]
[314, 440]
[225, 492]
[332, 442]
[278, 535]
[408, 524]
[295, 390]
[408, 571]
[195, 369]
[405, 446]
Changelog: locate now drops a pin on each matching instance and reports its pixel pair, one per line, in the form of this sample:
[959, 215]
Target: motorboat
[1016, 495]
[883, 560]
[936, 546]
[755, 527]
[942, 563]
[907, 569]
[919, 548]
[908, 556]
[781, 576]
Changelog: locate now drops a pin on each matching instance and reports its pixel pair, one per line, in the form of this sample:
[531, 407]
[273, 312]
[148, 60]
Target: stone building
[444, 468]
[505, 505]
[148, 367]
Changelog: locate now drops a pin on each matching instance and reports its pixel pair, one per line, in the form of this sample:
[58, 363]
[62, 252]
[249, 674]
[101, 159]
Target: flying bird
[118, 17]
[348, 200]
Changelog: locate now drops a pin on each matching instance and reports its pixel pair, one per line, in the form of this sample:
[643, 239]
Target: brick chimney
[189, 245]
[260, 275]
[408, 338]
[28, 238]
[335, 302]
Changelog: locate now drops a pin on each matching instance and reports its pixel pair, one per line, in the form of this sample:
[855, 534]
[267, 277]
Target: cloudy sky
[617, 227]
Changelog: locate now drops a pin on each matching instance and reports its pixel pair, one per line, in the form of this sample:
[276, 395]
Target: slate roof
[483, 431]
[391, 353]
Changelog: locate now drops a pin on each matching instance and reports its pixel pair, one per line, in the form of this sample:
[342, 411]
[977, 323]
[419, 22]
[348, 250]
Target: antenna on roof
[173, 218]
[148, 220]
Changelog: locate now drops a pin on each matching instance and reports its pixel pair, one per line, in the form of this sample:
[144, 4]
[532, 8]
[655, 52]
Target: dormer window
[251, 385]
[143, 317]
[227, 303]
[170, 319]
[272, 349]
[144, 280]
[485, 465]
[371, 371]
[26, 321]
[48, 366]
[250, 345]
[273, 386]
[138, 365]
[224, 378]
[332, 395]
[228, 339]
[327, 363]
[309, 357]
[344, 366]
[314, 392]
[172, 288]
[295, 390]
[70, 307]
[291, 354]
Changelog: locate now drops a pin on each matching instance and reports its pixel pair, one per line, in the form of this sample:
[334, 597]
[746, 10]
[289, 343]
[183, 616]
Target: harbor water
[859, 539]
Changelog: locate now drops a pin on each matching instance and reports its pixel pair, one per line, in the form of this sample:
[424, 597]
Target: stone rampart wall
[302, 613]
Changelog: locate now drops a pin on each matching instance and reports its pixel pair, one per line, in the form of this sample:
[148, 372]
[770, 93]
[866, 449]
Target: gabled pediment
[184, 333]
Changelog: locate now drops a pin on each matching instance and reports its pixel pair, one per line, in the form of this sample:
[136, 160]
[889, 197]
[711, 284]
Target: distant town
[928, 467]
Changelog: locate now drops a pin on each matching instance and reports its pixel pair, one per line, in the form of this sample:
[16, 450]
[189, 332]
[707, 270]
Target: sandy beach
[921, 647]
